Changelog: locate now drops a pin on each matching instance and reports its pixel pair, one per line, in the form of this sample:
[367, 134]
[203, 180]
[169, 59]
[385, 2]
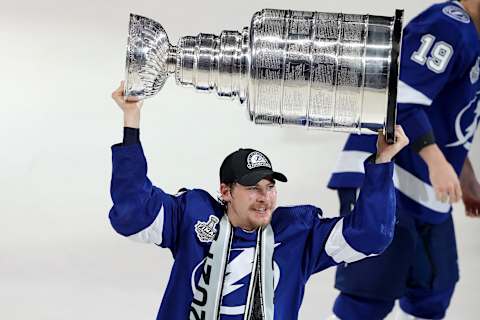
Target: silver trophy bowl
[320, 70]
[146, 64]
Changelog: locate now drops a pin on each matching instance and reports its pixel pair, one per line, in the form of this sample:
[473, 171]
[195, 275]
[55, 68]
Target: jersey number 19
[439, 56]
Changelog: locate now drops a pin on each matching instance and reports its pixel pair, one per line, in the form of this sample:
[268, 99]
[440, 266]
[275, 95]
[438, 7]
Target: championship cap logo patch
[456, 13]
[256, 159]
[206, 230]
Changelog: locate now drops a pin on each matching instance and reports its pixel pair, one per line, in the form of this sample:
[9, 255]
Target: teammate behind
[439, 110]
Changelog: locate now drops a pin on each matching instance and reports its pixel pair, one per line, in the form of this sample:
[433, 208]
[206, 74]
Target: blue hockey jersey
[305, 243]
[437, 99]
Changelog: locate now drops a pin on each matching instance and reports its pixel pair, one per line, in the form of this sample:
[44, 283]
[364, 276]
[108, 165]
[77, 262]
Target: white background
[60, 60]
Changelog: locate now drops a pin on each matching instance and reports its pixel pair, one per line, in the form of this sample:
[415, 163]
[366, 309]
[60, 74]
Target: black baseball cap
[247, 167]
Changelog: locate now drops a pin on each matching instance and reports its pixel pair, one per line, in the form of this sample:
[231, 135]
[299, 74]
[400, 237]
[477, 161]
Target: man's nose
[262, 194]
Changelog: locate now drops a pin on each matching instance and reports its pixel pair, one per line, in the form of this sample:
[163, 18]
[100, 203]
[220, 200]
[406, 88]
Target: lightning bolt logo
[237, 269]
[462, 138]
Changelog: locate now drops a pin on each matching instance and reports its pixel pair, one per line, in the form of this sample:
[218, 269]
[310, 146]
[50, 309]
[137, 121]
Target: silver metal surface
[321, 70]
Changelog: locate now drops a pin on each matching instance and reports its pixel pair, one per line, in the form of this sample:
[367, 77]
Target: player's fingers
[455, 193]
[441, 195]
[399, 130]
[381, 136]
[468, 209]
[118, 93]
[472, 212]
[475, 211]
[380, 140]
[401, 137]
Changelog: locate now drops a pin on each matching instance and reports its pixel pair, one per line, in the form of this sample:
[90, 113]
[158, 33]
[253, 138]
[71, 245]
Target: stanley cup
[322, 70]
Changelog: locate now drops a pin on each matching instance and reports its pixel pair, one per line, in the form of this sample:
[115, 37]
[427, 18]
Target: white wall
[60, 60]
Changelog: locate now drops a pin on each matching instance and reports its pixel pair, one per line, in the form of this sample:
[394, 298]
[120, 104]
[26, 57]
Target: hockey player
[439, 110]
[242, 257]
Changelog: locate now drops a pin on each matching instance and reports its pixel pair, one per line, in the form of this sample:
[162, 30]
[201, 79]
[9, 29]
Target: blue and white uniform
[437, 98]
[437, 103]
[305, 243]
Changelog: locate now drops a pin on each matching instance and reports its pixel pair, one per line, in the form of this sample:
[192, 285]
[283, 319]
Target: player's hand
[131, 109]
[470, 189]
[385, 151]
[471, 200]
[445, 181]
[126, 106]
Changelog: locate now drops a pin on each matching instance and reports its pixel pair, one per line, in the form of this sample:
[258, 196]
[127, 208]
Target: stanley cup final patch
[206, 230]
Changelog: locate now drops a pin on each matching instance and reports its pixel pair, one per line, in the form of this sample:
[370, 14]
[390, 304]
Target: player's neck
[473, 9]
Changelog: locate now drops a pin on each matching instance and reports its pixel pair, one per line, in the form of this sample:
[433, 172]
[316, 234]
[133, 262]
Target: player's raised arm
[140, 210]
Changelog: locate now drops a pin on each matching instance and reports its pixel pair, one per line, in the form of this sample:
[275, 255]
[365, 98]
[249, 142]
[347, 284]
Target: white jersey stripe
[407, 94]
[339, 249]
[417, 190]
[405, 182]
[351, 161]
[237, 310]
[152, 233]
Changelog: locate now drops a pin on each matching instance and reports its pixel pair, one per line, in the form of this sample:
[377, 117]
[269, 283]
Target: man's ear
[225, 192]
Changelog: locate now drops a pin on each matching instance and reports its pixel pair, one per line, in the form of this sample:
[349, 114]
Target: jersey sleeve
[366, 232]
[431, 56]
[349, 170]
[141, 211]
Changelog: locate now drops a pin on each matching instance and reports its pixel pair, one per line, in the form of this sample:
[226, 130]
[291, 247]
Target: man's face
[250, 207]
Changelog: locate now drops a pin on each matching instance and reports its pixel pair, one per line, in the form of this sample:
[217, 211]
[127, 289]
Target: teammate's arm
[431, 56]
[443, 177]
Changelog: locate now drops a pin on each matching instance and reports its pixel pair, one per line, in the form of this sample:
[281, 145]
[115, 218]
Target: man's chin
[262, 222]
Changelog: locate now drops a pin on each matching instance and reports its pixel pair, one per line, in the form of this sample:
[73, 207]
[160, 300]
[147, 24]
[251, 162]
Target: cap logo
[256, 159]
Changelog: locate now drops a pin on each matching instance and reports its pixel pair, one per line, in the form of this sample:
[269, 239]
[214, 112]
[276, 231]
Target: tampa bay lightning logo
[456, 13]
[465, 133]
[236, 282]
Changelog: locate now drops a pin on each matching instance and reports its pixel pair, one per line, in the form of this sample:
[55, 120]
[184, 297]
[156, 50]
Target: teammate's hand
[470, 189]
[471, 200]
[131, 110]
[445, 181]
[385, 151]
